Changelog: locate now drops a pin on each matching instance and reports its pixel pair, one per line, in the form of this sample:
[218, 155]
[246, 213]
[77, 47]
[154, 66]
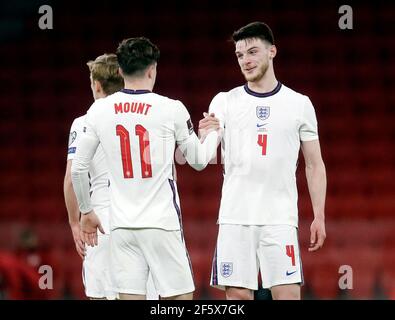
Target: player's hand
[89, 225]
[318, 234]
[79, 243]
[208, 124]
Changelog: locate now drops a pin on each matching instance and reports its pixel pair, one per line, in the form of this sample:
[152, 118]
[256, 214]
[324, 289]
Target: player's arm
[315, 173]
[73, 210]
[198, 154]
[207, 124]
[87, 147]
[216, 116]
[316, 181]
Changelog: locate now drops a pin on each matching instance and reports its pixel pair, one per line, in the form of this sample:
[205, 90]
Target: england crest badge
[262, 112]
[226, 269]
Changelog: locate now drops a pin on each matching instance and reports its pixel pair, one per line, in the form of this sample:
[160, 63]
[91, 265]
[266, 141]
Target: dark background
[348, 74]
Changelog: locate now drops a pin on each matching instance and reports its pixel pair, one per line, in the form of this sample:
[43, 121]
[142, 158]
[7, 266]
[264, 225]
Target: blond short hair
[105, 70]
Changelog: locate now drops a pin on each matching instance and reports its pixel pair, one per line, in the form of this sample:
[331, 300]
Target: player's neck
[266, 84]
[139, 85]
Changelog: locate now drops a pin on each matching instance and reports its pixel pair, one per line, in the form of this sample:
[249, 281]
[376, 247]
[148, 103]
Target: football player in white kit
[105, 80]
[265, 123]
[138, 131]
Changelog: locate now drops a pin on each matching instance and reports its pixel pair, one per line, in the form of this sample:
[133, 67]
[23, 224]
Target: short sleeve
[75, 132]
[308, 130]
[183, 123]
[91, 118]
[217, 106]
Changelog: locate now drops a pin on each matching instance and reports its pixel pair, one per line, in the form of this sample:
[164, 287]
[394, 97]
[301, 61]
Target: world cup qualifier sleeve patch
[72, 137]
[190, 126]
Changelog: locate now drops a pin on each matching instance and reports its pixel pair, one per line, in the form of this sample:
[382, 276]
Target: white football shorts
[136, 252]
[242, 251]
[96, 270]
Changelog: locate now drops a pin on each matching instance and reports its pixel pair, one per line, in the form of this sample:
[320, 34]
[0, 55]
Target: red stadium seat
[320, 273]
[387, 271]
[51, 210]
[350, 232]
[201, 265]
[73, 273]
[364, 261]
[14, 209]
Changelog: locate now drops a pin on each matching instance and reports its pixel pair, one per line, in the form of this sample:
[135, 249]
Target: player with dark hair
[265, 124]
[138, 131]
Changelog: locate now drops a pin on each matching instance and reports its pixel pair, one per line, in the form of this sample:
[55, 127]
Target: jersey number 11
[145, 154]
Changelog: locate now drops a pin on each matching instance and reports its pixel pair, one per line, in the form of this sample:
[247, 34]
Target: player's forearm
[71, 201]
[316, 181]
[80, 167]
[80, 179]
[198, 154]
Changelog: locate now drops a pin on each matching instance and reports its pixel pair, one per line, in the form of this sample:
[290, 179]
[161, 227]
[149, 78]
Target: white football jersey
[100, 197]
[138, 131]
[260, 146]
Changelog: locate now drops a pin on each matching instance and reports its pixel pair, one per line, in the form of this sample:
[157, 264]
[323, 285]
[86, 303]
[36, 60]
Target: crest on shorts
[262, 112]
[226, 269]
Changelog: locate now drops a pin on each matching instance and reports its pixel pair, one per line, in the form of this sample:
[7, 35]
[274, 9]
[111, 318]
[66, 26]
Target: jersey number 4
[262, 141]
[145, 154]
[290, 253]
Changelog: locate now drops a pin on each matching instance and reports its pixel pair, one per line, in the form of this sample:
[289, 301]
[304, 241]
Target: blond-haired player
[105, 80]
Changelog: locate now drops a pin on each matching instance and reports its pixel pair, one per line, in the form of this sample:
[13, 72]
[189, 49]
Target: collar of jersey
[130, 91]
[263, 95]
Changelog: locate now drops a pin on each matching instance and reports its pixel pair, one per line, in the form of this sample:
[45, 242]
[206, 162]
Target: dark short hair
[136, 54]
[254, 30]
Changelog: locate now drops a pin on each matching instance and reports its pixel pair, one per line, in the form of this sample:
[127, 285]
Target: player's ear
[98, 87]
[120, 72]
[151, 72]
[272, 51]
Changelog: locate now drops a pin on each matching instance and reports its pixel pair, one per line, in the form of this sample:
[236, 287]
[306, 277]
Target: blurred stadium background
[348, 74]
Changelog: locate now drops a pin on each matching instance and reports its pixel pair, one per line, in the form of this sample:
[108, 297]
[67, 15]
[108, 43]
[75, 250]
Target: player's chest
[263, 117]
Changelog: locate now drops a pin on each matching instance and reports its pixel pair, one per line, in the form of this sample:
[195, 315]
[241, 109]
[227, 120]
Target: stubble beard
[259, 75]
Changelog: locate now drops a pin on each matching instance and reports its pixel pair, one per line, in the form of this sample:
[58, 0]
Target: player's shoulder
[232, 93]
[221, 97]
[101, 102]
[78, 123]
[165, 99]
[170, 104]
[293, 94]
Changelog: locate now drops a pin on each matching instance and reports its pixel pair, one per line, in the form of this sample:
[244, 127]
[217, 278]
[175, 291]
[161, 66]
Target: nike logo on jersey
[260, 125]
[290, 273]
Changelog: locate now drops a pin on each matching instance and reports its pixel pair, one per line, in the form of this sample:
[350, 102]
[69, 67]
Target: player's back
[137, 130]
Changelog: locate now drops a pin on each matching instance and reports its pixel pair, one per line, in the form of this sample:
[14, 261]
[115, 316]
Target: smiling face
[254, 57]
